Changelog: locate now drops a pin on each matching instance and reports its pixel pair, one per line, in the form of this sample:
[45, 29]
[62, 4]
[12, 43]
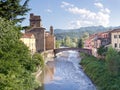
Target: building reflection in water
[47, 74]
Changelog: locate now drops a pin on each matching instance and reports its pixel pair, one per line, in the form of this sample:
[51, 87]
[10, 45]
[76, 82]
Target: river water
[65, 73]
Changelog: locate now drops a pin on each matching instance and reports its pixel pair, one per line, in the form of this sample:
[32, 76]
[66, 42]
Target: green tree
[80, 43]
[85, 35]
[16, 65]
[58, 43]
[12, 9]
[38, 59]
[75, 39]
[102, 51]
[113, 61]
[68, 41]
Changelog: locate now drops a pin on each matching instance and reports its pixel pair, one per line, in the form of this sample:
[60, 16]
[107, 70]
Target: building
[102, 39]
[50, 39]
[44, 40]
[29, 41]
[115, 39]
[97, 40]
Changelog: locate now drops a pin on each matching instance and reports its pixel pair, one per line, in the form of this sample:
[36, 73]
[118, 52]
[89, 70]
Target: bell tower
[35, 21]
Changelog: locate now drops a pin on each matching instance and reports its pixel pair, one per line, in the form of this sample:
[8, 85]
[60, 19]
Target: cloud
[100, 5]
[48, 10]
[65, 4]
[88, 17]
[79, 23]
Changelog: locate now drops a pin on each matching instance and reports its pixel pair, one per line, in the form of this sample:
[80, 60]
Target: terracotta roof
[116, 30]
[27, 35]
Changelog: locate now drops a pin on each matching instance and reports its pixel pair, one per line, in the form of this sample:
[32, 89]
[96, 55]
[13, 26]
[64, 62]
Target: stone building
[44, 40]
[50, 39]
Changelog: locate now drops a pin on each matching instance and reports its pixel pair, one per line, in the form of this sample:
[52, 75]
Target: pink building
[97, 40]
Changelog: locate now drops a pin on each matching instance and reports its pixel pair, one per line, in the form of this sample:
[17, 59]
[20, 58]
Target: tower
[35, 21]
[51, 30]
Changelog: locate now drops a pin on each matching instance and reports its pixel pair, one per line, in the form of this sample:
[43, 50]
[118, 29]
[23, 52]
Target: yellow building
[115, 39]
[29, 41]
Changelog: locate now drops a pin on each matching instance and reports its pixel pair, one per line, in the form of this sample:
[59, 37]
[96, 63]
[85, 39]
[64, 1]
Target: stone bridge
[87, 51]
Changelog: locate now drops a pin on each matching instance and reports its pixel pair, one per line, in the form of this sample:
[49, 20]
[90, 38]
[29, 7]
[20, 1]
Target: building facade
[97, 40]
[44, 40]
[50, 39]
[115, 39]
[29, 41]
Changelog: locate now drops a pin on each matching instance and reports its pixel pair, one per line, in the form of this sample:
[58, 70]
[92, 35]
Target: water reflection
[64, 73]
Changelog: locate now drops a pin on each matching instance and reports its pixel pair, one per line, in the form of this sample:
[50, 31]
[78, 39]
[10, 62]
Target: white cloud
[88, 17]
[65, 4]
[48, 10]
[79, 23]
[99, 5]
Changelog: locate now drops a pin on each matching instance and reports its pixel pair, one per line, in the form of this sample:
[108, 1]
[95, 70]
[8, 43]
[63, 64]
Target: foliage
[58, 44]
[80, 32]
[113, 61]
[102, 51]
[80, 43]
[97, 70]
[16, 65]
[38, 59]
[12, 9]
[83, 55]
[68, 42]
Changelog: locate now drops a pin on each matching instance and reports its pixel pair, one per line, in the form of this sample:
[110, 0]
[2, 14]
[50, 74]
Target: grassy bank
[99, 73]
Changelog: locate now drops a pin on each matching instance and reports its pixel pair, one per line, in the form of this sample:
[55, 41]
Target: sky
[72, 14]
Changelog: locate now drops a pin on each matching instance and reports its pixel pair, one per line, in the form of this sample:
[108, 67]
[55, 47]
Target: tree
[102, 51]
[12, 9]
[38, 59]
[58, 43]
[113, 61]
[68, 41]
[16, 64]
[80, 43]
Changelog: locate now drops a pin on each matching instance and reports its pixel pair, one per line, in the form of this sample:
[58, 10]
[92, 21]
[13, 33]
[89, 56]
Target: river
[65, 73]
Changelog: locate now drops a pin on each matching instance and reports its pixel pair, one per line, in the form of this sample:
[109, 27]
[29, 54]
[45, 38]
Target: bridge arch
[87, 51]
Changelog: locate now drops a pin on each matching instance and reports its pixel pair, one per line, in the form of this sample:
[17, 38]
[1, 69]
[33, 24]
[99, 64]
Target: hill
[78, 33]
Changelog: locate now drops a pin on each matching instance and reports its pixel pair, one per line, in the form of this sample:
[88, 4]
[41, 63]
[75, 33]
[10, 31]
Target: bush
[38, 59]
[97, 70]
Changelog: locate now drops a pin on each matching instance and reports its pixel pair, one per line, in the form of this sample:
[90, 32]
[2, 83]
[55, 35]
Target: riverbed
[65, 73]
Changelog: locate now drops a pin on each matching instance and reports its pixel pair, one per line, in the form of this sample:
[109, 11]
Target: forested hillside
[78, 33]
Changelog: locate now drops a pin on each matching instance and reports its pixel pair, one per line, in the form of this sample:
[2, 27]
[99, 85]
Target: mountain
[78, 33]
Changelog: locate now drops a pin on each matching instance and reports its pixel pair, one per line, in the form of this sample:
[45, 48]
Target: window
[115, 36]
[115, 45]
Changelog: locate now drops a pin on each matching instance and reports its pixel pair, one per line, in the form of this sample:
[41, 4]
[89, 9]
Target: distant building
[29, 41]
[97, 40]
[44, 40]
[102, 39]
[115, 39]
[50, 39]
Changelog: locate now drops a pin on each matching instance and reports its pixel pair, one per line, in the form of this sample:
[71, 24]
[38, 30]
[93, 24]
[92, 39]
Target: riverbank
[43, 59]
[97, 70]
